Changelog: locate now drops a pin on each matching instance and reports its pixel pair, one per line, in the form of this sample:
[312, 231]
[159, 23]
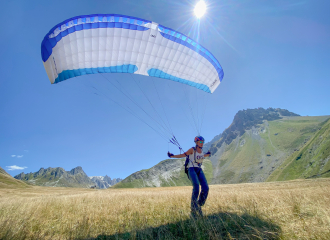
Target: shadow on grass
[222, 225]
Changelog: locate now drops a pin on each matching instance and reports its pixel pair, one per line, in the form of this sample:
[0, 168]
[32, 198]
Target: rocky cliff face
[208, 145]
[57, 177]
[105, 182]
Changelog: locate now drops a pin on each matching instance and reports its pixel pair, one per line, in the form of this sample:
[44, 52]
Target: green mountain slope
[311, 161]
[261, 148]
[167, 173]
[7, 181]
[2, 171]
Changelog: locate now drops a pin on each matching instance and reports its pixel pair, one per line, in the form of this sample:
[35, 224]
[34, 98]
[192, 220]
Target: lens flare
[200, 9]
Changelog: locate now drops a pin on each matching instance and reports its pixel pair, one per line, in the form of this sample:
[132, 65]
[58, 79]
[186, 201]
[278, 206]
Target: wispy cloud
[14, 167]
[13, 155]
[19, 156]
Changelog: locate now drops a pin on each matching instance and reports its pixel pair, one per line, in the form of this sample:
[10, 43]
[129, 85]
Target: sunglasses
[201, 141]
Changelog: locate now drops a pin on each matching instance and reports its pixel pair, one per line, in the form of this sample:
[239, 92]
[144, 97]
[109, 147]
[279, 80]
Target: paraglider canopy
[113, 43]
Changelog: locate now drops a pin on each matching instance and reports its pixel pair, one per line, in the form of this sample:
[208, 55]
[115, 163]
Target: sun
[200, 9]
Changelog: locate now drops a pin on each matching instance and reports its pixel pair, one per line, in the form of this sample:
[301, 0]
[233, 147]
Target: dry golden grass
[277, 210]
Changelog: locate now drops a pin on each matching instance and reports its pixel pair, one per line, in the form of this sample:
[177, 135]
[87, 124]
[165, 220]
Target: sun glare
[200, 9]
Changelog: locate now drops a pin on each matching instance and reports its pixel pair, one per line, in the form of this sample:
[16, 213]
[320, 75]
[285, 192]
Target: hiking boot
[195, 213]
[199, 210]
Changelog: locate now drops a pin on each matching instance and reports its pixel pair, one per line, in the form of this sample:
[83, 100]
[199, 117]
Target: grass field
[276, 210]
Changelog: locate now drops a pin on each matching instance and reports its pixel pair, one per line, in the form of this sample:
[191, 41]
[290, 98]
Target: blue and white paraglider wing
[122, 44]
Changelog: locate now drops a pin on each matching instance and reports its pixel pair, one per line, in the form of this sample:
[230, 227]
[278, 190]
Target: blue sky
[274, 54]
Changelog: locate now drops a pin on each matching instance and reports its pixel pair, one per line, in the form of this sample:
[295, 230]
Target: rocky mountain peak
[58, 177]
[107, 178]
[207, 145]
[20, 176]
[105, 182]
[77, 170]
[246, 119]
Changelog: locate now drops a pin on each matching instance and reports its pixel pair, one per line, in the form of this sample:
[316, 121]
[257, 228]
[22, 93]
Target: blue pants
[197, 177]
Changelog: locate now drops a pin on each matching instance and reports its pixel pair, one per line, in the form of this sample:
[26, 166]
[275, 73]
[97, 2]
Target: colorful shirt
[196, 159]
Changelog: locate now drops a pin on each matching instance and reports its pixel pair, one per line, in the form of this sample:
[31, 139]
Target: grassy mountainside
[167, 173]
[311, 161]
[253, 156]
[2, 171]
[246, 120]
[7, 181]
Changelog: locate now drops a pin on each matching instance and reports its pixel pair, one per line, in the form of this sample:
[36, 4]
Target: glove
[169, 154]
[208, 152]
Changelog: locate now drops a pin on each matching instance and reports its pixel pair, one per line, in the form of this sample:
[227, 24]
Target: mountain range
[58, 177]
[260, 145]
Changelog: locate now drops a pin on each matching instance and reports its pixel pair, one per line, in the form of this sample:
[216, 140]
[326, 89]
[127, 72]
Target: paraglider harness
[187, 162]
[176, 143]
